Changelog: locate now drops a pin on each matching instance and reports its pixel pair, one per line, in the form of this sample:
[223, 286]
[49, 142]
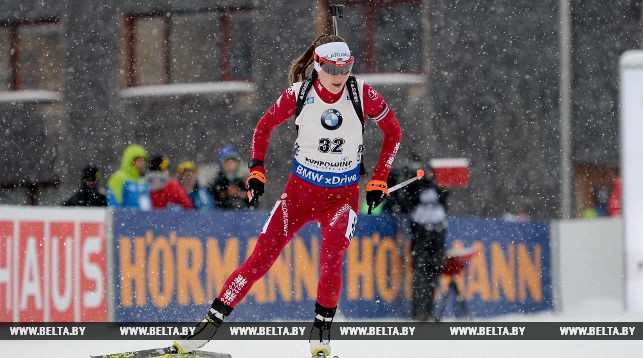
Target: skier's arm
[280, 111]
[377, 109]
[283, 109]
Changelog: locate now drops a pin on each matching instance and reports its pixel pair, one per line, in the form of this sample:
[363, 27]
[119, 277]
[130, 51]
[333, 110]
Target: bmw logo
[331, 119]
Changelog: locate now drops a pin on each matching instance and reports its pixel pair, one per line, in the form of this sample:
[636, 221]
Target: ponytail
[302, 64]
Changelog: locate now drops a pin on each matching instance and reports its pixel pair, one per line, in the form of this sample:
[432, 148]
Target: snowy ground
[595, 311]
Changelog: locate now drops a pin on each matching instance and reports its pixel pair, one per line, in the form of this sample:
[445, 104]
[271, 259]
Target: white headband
[333, 51]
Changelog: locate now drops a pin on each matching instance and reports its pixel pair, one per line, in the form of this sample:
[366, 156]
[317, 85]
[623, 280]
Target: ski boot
[204, 330]
[320, 333]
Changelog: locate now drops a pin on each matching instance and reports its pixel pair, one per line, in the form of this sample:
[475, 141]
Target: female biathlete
[323, 185]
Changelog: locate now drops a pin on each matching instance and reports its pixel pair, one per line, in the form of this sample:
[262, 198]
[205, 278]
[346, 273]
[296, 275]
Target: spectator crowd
[146, 182]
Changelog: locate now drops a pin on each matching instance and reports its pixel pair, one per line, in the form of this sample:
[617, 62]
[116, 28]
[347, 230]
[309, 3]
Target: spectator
[600, 201]
[614, 208]
[424, 203]
[228, 188]
[187, 176]
[127, 187]
[89, 193]
[166, 192]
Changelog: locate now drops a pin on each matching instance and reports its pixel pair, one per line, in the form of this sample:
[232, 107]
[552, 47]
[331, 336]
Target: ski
[167, 352]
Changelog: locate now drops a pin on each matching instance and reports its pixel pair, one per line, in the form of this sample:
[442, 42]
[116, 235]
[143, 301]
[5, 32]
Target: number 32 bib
[329, 145]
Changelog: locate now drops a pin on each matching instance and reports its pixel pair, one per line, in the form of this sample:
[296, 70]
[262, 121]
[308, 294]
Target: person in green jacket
[127, 187]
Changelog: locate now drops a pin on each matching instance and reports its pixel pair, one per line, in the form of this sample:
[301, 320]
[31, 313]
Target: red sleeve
[180, 196]
[377, 109]
[280, 111]
[374, 103]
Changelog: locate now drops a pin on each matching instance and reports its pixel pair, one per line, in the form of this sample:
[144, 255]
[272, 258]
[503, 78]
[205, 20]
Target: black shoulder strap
[353, 93]
[303, 92]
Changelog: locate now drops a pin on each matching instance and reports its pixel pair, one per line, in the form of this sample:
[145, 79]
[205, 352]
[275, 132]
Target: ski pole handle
[252, 196]
[418, 176]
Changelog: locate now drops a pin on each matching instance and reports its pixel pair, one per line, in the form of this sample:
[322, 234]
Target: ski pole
[418, 176]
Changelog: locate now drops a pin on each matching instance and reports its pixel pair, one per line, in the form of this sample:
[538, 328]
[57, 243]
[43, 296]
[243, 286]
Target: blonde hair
[300, 65]
[185, 166]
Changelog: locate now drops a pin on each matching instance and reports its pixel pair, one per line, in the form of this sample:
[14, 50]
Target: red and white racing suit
[323, 186]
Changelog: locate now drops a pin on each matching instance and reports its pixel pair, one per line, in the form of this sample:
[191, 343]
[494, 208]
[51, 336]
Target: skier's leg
[205, 330]
[277, 232]
[338, 227]
[320, 333]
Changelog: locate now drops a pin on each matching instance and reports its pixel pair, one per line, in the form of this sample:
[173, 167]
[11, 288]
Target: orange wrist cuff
[256, 175]
[377, 185]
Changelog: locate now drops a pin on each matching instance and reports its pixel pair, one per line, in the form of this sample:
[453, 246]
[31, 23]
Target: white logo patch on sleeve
[352, 223]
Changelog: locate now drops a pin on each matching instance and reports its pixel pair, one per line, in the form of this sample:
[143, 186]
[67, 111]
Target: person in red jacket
[165, 191]
[614, 207]
[330, 109]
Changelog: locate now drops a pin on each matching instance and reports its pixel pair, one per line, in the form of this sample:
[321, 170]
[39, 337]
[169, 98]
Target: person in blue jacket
[201, 198]
[127, 186]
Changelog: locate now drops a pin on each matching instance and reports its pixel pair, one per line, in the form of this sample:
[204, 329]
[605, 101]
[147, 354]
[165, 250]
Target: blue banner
[168, 266]
[510, 271]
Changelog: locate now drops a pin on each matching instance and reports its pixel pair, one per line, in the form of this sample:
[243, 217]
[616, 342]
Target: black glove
[376, 192]
[255, 182]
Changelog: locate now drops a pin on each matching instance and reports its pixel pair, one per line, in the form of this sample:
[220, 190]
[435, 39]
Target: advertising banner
[53, 265]
[169, 266]
[510, 269]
